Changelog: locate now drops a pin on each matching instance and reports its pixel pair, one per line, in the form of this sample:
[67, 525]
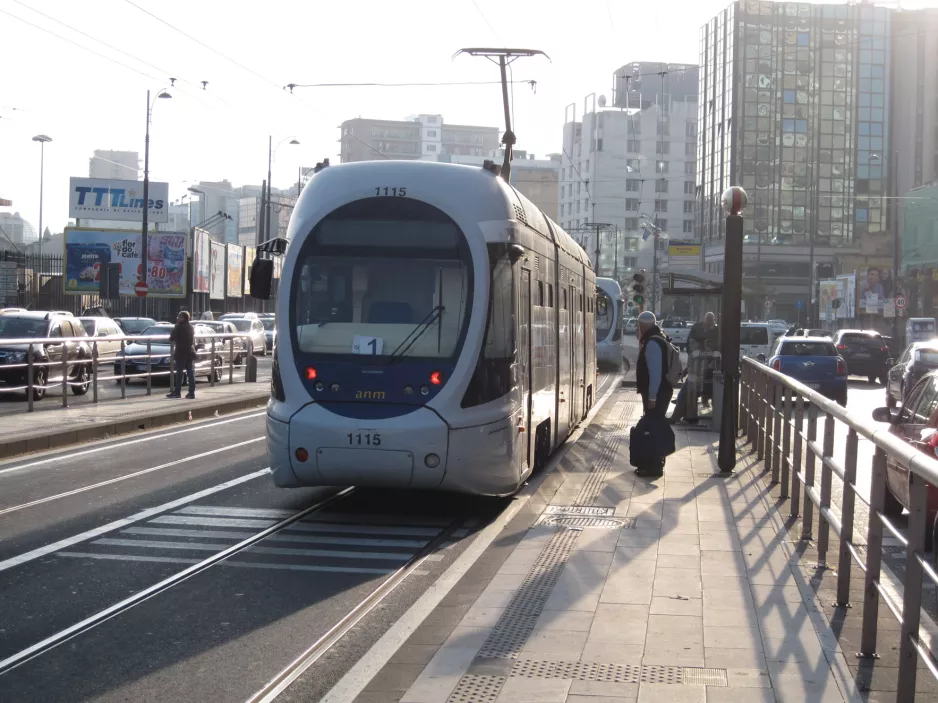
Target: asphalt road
[115, 528]
[12, 403]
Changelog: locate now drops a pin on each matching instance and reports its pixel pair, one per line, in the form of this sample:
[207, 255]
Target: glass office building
[794, 107]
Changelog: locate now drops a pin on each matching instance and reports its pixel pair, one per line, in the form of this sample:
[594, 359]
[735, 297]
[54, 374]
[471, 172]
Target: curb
[65, 437]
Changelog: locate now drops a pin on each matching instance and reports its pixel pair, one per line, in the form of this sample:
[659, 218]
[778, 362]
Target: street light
[146, 179]
[271, 150]
[42, 139]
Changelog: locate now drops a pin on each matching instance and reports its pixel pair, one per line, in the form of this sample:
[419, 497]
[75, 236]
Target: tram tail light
[310, 373]
[436, 378]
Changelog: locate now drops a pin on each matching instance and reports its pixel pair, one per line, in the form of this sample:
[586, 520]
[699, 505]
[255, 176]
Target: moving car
[756, 338]
[916, 423]
[865, 352]
[815, 333]
[917, 360]
[105, 332]
[678, 331]
[136, 365]
[813, 361]
[249, 324]
[134, 325]
[48, 357]
[239, 347]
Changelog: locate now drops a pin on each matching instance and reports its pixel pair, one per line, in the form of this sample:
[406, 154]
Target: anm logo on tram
[369, 395]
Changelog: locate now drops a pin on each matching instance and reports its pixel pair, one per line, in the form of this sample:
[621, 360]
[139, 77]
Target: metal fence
[773, 411]
[37, 284]
[85, 363]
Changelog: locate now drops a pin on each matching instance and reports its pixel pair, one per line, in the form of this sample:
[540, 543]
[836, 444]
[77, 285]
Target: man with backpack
[656, 374]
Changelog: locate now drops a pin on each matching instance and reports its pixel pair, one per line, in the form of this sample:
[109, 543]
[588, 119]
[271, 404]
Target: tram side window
[492, 377]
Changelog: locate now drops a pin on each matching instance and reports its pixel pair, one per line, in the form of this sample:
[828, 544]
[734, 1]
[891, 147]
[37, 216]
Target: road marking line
[208, 547]
[227, 562]
[126, 522]
[66, 494]
[117, 445]
[279, 537]
[223, 511]
[301, 526]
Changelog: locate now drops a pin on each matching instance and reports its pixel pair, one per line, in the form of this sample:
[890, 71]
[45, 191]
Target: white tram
[610, 306]
[436, 332]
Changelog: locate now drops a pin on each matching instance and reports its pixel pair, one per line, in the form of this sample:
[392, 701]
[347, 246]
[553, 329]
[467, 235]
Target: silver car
[239, 345]
[250, 325]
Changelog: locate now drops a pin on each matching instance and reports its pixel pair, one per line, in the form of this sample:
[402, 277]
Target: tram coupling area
[682, 588]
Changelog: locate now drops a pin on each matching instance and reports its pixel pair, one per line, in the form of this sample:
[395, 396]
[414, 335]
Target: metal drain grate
[568, 510]
[618, 673]
[698, 676]
[573, 521]
[473, 688]
[517, 622]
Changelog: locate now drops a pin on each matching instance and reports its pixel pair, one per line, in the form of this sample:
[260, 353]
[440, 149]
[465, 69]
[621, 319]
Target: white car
[250, 325]
[106, 333]
[678, 331]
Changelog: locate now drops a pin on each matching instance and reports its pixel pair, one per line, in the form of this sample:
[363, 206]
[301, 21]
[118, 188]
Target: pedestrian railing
[779, 417]
[81, 364]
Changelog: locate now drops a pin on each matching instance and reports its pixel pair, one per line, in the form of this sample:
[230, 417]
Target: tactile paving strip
[473, 688]
[517, 622]
[613, 437]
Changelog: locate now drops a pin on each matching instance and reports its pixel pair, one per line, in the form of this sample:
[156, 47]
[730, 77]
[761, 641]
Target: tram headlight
[319, 385]
[408, 390]
[424, 390]
[431, 460]
[334, 387]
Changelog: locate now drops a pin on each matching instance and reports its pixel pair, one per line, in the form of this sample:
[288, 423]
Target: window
[690, 149]
[631, 223]
[431, 147]
[688, 226]
[540, 294]
[807, 349]
[926, 404]
[634, 145]
[431, 133]
[661, 167]
[662, 147]
[688, 206]
[661, 205]
[550, 295]
[690, 129]
[633, 185]
[753, 335]
[664, 128]
[662, 225]
[56, 330]
[661, 185]
[631, 204]
[633, 165]
[688, 187]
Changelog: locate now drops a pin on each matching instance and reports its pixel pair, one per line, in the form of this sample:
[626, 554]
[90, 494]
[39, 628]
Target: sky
[59, 79]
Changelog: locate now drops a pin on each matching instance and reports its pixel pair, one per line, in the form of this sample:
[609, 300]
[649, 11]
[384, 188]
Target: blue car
[814, 362]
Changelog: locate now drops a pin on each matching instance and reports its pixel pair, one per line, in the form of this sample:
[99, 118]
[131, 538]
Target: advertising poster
[166, 265]
[847, 292]
[235, 270]
[114, 199]
[86, 250]
[201, 261]
[828, 293]
[216, 284]
[249, 255]
[870, 293]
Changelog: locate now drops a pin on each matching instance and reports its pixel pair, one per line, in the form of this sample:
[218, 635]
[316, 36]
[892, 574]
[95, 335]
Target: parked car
[779, 326]
[631, 326]
[916, 423]
[815, 332]
[893, 345]
[917, 360]
[270, 331]
[76, 355]
[677, 330]
[239, 345]
[105, 332]
[756, 338]
[865, 352]
[134, 325]
[250, 324]
[813, 361]
[160, 350]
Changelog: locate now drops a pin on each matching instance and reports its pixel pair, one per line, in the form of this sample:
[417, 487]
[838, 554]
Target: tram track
[51, 642]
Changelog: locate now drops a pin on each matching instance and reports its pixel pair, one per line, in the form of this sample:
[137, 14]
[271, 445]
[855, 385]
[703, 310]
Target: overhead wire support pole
[505, 58]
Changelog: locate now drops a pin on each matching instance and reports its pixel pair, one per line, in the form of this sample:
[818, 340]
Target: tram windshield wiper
[416, 333]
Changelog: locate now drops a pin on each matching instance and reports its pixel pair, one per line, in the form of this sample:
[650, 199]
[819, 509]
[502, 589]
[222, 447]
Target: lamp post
[271, 150]
[146, 181]
[42, 139]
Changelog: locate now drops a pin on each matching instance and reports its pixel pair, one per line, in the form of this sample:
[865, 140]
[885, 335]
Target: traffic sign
[768, 304]
[141, 289]
[799, 304]
[901, 303]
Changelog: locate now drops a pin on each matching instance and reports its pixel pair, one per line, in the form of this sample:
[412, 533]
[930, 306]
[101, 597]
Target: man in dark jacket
[651, 380]
[183, 335]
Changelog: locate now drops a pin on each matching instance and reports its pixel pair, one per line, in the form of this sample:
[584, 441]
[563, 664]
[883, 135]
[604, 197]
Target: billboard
[166, 265]
[201, 261]
[827, 293]
[847, 292]
[870, 292]
[86, 250]
[683, 257]
[249, 255]
[216, 284]
[235, 270]
[114, 199]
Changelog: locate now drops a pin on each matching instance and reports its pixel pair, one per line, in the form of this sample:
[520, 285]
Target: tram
[610, 307]
[436, 331]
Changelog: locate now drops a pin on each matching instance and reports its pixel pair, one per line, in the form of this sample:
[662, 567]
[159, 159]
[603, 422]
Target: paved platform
[59, 427]
[608, 588]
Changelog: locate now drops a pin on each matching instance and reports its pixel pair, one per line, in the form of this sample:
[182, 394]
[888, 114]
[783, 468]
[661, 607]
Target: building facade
[420, 137]
[638, 84]
[105, 163]
[794, 107]
[627, 169]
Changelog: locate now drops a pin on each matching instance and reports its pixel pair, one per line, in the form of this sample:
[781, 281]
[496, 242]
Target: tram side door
[574, 356]
[524, 360]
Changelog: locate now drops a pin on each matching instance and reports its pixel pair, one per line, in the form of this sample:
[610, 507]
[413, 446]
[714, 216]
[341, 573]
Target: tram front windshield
[380, 288]
[605, 315]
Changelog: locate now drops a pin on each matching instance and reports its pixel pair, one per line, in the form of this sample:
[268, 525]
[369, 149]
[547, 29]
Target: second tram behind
[436, 332]
[609, 322]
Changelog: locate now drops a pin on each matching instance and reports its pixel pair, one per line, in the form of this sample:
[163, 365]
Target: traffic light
[638, 288]
[824, 272]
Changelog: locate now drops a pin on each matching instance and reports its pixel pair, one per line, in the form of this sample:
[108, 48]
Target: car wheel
[39, 380]
[82, 380]
[892, 508]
